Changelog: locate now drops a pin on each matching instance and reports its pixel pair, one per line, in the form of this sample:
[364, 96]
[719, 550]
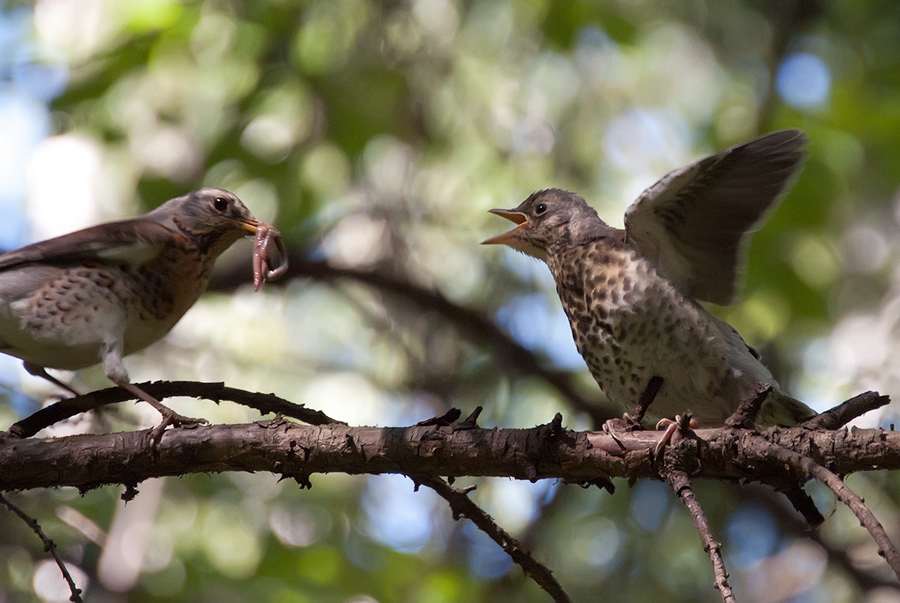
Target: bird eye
[220, 203]
[540, 208]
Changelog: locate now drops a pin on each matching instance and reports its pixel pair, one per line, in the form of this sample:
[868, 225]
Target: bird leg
[644, 402]
[120, 378]
[170, 417]
[39, 371]
[115, 372]
[632, 421]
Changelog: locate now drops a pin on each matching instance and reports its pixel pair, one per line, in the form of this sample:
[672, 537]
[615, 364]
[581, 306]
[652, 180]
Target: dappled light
[376, 136]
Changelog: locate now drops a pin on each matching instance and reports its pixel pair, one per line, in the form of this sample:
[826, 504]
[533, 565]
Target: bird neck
[579, 233]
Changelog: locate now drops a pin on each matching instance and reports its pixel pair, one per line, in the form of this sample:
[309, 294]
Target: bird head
[214, 217]
[544, 218]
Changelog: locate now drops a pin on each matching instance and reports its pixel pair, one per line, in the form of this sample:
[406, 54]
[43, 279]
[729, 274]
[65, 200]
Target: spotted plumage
[630, 295]
[101, 293]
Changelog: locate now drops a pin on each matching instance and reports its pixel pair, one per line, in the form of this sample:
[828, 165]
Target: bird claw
[610, 427]
[613, 427]
[170, 417]
[672, 427]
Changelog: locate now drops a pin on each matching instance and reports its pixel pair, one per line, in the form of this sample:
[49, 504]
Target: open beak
[507, 237]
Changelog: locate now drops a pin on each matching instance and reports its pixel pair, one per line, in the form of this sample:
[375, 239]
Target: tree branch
[682, 485]
[286, 448]
[49, 547]
[69, 407]
[812, 469]
[783, 457]
[460, 505]
[789, 523]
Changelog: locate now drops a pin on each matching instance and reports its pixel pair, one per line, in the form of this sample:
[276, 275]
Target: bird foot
[170, 417]
[682, 424]
[626, 424]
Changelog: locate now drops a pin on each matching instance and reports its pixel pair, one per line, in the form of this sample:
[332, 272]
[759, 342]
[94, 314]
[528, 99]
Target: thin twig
[682, 485]
[49, 546]
[846, 411]
[461, 505]
[745, 415]
[802, 502]
[265, 403]
[847, 496]
[869, 579]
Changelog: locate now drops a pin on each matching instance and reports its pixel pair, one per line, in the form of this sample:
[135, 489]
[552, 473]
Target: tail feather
[784, 411]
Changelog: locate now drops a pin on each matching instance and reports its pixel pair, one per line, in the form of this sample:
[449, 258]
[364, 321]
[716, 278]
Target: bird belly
[41, 350]
[56, 317]
[631, 325]
[61, 317]
[693, 377]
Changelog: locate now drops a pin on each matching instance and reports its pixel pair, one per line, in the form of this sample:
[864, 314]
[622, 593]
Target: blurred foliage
[375, 135]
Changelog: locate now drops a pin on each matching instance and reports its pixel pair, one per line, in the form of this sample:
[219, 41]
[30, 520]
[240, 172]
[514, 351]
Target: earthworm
[262, 256]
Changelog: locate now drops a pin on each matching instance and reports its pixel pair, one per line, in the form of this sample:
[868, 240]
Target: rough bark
[293, 450]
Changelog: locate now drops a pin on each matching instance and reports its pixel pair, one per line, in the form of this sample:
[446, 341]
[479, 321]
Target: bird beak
[251, 225]
[507, 238]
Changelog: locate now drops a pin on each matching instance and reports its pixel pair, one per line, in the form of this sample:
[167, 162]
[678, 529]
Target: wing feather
[693, 223]
[132, 241]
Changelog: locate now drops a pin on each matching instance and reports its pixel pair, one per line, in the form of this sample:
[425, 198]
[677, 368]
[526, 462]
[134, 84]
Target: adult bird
[101, 293]
[631, 295]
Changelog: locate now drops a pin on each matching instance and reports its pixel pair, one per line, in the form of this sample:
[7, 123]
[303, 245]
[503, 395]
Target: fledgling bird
[101, 293]
[631, 295]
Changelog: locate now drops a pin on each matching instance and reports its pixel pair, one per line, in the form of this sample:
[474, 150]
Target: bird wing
[133, 242]
[692, 224]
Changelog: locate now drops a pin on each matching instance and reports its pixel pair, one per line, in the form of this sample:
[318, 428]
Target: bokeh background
[375, 135]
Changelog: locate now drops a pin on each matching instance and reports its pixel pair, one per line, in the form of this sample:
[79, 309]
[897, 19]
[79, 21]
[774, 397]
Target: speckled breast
[630, 325]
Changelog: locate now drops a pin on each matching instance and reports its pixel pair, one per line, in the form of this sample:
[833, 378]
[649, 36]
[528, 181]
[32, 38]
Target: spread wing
[132, 242]
[693, 223]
